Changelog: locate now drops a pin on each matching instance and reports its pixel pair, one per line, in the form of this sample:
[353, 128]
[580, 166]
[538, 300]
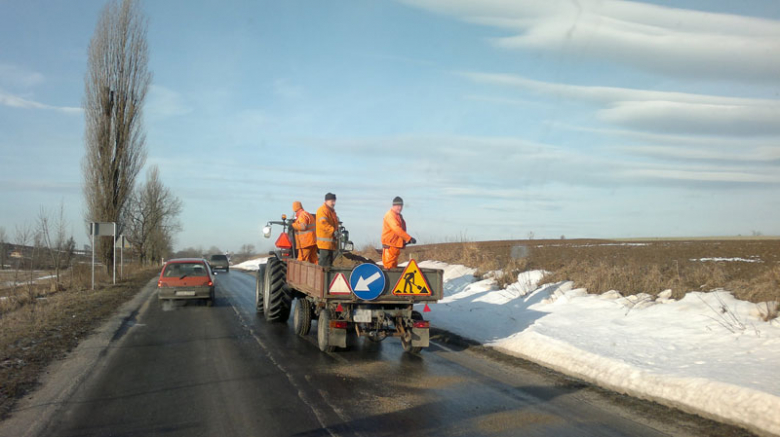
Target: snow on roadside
[744, 260]
[708, 351]
[251, 265]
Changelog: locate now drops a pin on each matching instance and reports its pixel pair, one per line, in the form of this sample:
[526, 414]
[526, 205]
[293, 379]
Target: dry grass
[768, 310]
[79, 277]
[649, 266]
[36, 332]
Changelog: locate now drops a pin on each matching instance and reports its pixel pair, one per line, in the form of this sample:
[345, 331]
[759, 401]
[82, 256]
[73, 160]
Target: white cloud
[766, 154]
[670, 41]
[14, 76]
[287, 89]
[18, 102]
[165, 102]
[663, 111]
[691, 175]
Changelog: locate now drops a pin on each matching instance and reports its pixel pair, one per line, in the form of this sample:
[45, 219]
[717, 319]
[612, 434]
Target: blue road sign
[367, 281]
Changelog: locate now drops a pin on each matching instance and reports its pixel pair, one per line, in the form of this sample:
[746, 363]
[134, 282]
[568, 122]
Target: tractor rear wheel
[276, 300]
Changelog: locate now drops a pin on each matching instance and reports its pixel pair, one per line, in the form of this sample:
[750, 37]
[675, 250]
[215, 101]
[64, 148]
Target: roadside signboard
[412, 282]
[367, 281]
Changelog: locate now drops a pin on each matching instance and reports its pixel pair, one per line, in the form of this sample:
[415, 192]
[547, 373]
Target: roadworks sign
[339, 285]
[412, 282]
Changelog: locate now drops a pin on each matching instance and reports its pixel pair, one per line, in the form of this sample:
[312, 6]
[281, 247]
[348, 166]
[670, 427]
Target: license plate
[362, 316]
[185, 293]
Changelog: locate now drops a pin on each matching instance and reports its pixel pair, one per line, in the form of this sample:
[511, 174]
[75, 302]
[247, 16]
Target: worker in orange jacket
[305, 239]
[394, 236]
[327, 231]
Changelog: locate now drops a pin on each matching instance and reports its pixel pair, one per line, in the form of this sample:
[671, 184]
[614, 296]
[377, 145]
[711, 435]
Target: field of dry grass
[41, 323]
[750, 267]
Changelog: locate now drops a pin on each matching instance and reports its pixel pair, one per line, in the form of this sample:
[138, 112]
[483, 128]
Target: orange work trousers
[308, 254]
[390, 257]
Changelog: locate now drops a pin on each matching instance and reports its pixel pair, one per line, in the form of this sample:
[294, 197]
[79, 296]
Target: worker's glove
[413, 241]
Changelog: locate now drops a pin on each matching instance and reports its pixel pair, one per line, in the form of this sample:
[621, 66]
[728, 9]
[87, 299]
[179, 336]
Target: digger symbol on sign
[412, 282]
[409, 285]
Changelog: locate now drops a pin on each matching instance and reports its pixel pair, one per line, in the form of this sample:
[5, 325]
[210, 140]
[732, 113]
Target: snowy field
[708, 352]
[252, 265]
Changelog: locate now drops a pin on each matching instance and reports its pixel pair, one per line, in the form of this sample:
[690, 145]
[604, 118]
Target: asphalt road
[192, 370]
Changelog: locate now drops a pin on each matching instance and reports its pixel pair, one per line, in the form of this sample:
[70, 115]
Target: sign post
[122, 243]
[102, 229]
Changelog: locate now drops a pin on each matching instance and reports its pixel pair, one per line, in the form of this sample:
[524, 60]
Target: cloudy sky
[491, 118]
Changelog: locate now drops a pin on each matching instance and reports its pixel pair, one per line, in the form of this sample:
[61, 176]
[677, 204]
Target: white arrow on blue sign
[367, 281]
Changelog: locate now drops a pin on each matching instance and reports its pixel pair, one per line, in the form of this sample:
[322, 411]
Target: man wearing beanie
[394, 236]
[327, 226]
[305, 240]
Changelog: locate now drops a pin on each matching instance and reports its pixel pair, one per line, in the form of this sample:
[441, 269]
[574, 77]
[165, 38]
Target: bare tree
[152, 217]
[116, 84]
[54, 237]
[3, 249]
[246, 250]
[23, 236]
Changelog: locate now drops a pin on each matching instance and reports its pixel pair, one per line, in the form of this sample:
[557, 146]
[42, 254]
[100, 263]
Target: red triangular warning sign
[339, 285]
[283, 242]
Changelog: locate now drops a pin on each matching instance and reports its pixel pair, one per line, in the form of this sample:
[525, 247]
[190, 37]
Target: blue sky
[491, 118]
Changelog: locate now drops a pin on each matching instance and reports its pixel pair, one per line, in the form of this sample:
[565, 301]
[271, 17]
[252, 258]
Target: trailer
[370, 301]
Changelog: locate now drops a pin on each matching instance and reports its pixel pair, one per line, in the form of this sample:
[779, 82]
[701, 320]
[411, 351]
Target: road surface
[191, 370]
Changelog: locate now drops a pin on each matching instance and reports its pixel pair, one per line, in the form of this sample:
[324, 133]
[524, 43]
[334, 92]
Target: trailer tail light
[422, 324]
[338, 324]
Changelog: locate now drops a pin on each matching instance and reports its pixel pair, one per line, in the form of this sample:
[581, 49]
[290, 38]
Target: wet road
[223, 371]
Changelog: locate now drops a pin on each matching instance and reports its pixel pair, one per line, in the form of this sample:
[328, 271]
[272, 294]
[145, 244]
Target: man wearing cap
[305, 240]
[394, 236]
[327, 227]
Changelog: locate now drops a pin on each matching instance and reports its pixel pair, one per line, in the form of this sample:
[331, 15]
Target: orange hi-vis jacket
[304, 227]
[327, 225]
[394, 230]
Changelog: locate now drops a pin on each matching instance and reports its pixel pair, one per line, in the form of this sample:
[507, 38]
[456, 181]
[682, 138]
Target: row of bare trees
[43, 244]
[116, 85]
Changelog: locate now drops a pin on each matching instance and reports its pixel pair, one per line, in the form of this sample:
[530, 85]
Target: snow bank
[252, 265]
[744, 260]
[709, 352]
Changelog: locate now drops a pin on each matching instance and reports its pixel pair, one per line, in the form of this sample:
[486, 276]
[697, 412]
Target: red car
[186, 278]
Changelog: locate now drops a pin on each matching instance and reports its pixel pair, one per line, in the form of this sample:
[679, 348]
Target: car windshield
[185, 269]
[218, 258]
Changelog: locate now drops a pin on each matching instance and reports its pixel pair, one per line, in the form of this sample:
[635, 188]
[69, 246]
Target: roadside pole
[114, 252]
[92, 234]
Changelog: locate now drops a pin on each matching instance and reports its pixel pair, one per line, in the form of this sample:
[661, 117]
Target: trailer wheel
[323, 331]
[259, 289]
[302, 317]
[408, 344]
[276, 300]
